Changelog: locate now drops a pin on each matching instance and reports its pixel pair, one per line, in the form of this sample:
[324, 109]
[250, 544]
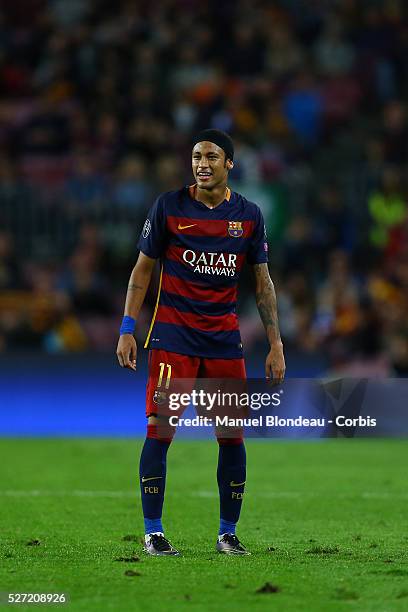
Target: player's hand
[275, 364]
[127, 351]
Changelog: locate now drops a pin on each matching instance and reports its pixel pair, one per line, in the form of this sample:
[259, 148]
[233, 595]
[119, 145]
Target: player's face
[210, 168]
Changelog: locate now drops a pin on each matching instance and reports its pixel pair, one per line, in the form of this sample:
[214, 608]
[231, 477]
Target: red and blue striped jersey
[202, 252]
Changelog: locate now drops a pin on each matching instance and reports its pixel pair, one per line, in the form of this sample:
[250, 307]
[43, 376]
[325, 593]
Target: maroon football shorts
[173, 373]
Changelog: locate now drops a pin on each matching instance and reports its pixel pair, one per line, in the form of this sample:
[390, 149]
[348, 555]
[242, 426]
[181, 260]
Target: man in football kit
[202, 234]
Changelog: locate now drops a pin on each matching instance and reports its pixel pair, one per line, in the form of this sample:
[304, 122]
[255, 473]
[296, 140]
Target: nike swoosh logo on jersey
[150, 478]
[237, 484]
[181, 227]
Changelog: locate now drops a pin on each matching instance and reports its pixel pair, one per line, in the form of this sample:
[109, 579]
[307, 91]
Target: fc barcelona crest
[235, 229]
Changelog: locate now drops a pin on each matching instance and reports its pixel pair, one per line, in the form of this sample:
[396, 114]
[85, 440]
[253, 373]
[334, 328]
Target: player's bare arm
[136, 291]
[266, 302]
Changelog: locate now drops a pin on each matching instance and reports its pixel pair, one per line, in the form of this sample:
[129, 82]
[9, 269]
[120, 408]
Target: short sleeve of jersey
[258, 249]
[153, 238]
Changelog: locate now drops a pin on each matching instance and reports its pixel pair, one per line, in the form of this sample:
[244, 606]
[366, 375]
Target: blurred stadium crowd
[98, 103]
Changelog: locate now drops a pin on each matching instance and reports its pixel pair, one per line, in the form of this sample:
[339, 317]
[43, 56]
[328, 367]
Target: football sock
[152, 473]
[226, 527]
[231, 474]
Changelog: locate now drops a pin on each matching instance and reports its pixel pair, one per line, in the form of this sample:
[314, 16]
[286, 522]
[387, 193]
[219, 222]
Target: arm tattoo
[133, 287]
[266, 301]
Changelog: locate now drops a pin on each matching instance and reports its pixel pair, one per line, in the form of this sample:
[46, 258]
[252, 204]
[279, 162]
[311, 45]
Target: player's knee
[229, 441]
[160, 429]
[229, 436]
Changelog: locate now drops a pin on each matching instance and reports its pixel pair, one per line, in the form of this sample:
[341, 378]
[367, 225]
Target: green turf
[332, 513]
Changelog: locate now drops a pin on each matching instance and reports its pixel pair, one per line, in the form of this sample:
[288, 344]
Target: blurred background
[98, 103]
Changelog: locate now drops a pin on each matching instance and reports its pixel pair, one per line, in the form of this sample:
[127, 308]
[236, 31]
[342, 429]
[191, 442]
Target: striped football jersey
[202, 252]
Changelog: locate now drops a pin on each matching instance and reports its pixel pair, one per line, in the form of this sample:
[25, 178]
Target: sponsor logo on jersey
[217, 264]
[235, 229]
[183, 227]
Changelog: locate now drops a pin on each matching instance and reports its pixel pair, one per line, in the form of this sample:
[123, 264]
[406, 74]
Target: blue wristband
[128, 325]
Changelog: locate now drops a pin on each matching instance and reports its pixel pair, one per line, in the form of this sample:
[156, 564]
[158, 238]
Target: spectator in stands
[387, 206]
[98, 106]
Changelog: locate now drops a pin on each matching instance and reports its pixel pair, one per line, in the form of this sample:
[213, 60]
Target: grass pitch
[325, 521]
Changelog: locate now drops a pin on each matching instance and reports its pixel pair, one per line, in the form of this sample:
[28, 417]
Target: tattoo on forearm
[133, 287]
[266, 301]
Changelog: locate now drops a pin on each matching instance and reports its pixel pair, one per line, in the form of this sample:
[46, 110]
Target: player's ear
[230, 164]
